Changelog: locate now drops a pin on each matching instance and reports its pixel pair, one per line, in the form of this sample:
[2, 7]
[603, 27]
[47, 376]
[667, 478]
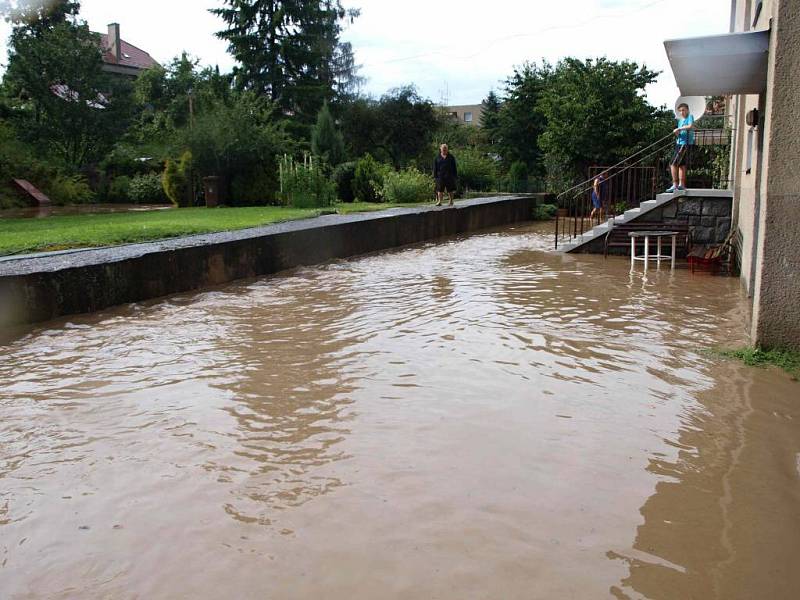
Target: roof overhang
[718, 65]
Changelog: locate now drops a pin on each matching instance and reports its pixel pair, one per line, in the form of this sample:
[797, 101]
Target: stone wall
[38, 288]
[709, 218]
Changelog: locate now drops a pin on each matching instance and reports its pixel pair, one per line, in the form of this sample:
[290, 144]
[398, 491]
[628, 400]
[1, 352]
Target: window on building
[468, 117]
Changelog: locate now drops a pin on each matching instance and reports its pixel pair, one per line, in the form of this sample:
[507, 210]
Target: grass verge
[64, 232]
[18, 236]
[788, 360]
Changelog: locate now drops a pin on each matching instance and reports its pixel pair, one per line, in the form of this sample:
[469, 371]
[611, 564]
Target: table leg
[633, 252]
[658, 245]
[674, 237]
[646, 251]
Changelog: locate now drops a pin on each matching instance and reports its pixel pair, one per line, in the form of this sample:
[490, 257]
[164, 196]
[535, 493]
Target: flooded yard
[476, 418]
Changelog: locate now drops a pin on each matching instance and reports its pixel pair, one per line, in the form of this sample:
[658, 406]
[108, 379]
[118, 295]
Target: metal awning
[718, 65]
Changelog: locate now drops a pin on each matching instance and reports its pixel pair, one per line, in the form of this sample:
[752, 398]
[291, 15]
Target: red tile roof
[131, 55]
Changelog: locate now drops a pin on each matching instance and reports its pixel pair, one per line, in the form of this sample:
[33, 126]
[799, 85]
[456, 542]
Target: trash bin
[212, 191]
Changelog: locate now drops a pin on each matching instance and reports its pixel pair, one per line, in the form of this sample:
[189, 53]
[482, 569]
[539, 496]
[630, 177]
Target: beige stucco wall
[460, 110]
[776, 285]
[768, 197]
[745, 184]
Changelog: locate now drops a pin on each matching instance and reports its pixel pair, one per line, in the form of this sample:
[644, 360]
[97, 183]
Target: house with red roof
[122, 58]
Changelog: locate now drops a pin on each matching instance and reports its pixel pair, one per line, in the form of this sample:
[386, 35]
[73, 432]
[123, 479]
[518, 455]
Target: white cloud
[468, 47]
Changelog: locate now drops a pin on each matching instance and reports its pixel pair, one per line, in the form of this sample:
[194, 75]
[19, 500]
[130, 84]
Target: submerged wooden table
[647, 257]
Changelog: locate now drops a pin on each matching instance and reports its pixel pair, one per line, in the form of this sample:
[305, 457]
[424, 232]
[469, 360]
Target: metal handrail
[577, 207]
[624, 160]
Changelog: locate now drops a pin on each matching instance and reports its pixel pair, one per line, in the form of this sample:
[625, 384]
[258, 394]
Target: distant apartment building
[467, 114]
[121, 57]
[758, 64]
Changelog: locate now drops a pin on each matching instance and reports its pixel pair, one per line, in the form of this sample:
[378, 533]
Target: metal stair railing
[575, 203]
[629, 181]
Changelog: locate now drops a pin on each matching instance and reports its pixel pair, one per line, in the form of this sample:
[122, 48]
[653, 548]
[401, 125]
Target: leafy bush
[257, 188]
[518, 176]
[368, 179]
[544, 212]
[407, 186]
[175, 181]
[343, 176]
[18, 161]
[475, 170]
[146, 189]
[119, 190]
[235, 139]
[305, 186]
[70, 189]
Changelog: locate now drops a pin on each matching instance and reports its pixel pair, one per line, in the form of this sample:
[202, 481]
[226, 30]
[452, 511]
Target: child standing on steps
[684, 138]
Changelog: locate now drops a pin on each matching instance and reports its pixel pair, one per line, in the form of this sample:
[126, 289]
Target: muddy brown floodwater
[477, 418]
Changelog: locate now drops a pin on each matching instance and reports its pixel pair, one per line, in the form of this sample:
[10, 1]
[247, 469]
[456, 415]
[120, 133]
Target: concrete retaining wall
[38, 288]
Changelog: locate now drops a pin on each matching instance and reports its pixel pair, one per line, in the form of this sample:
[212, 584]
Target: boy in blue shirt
[684, 139]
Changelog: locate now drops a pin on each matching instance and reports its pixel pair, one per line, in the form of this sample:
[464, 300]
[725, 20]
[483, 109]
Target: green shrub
[119, 190]
[146, 189]
[343, 176]
[518, 176]
[475, 170]
[255, 189]
[407, 186]
[368, 179]
[18, 160]
[237, 138]
[70, 189]
[175, 181]
[544, 212]
[305, 185]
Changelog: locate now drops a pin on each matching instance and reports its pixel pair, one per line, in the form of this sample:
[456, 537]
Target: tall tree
[63, 101]
[596, 112]
[490, 117]
[290, 51]
[520, 120]
[37, 16]
[396, 128]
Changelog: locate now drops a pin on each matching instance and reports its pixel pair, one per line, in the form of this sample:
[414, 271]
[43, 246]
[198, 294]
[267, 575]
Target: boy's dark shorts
[445, 184]
[681, 156]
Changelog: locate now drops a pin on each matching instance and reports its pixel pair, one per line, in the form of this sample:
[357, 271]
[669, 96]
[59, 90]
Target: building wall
[463, 111]
[748, 155]
[768, 208]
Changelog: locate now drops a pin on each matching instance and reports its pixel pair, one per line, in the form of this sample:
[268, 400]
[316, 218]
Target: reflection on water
[476, 418]
[40, 212]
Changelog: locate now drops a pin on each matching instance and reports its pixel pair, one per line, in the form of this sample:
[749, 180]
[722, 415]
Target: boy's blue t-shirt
[686, 136]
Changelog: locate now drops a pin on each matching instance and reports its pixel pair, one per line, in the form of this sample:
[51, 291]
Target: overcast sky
[455, 50]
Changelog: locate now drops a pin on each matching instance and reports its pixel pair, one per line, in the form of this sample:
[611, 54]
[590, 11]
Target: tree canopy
[396, 128]
[64, 102]
[37, 16]
[290, 51]
[596, 111]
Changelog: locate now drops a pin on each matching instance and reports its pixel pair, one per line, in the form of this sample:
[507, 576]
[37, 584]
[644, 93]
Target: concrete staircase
[629, 215]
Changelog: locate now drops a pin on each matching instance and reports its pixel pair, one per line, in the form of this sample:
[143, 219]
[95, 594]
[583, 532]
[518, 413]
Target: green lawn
[18, 236]
[76, 231]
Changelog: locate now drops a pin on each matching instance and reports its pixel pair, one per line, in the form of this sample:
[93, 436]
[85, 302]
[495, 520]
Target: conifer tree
[490, 117]
[326, 140]
[289, 50]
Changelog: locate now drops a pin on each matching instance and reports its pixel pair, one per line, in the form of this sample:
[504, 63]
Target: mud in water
[479, 418]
